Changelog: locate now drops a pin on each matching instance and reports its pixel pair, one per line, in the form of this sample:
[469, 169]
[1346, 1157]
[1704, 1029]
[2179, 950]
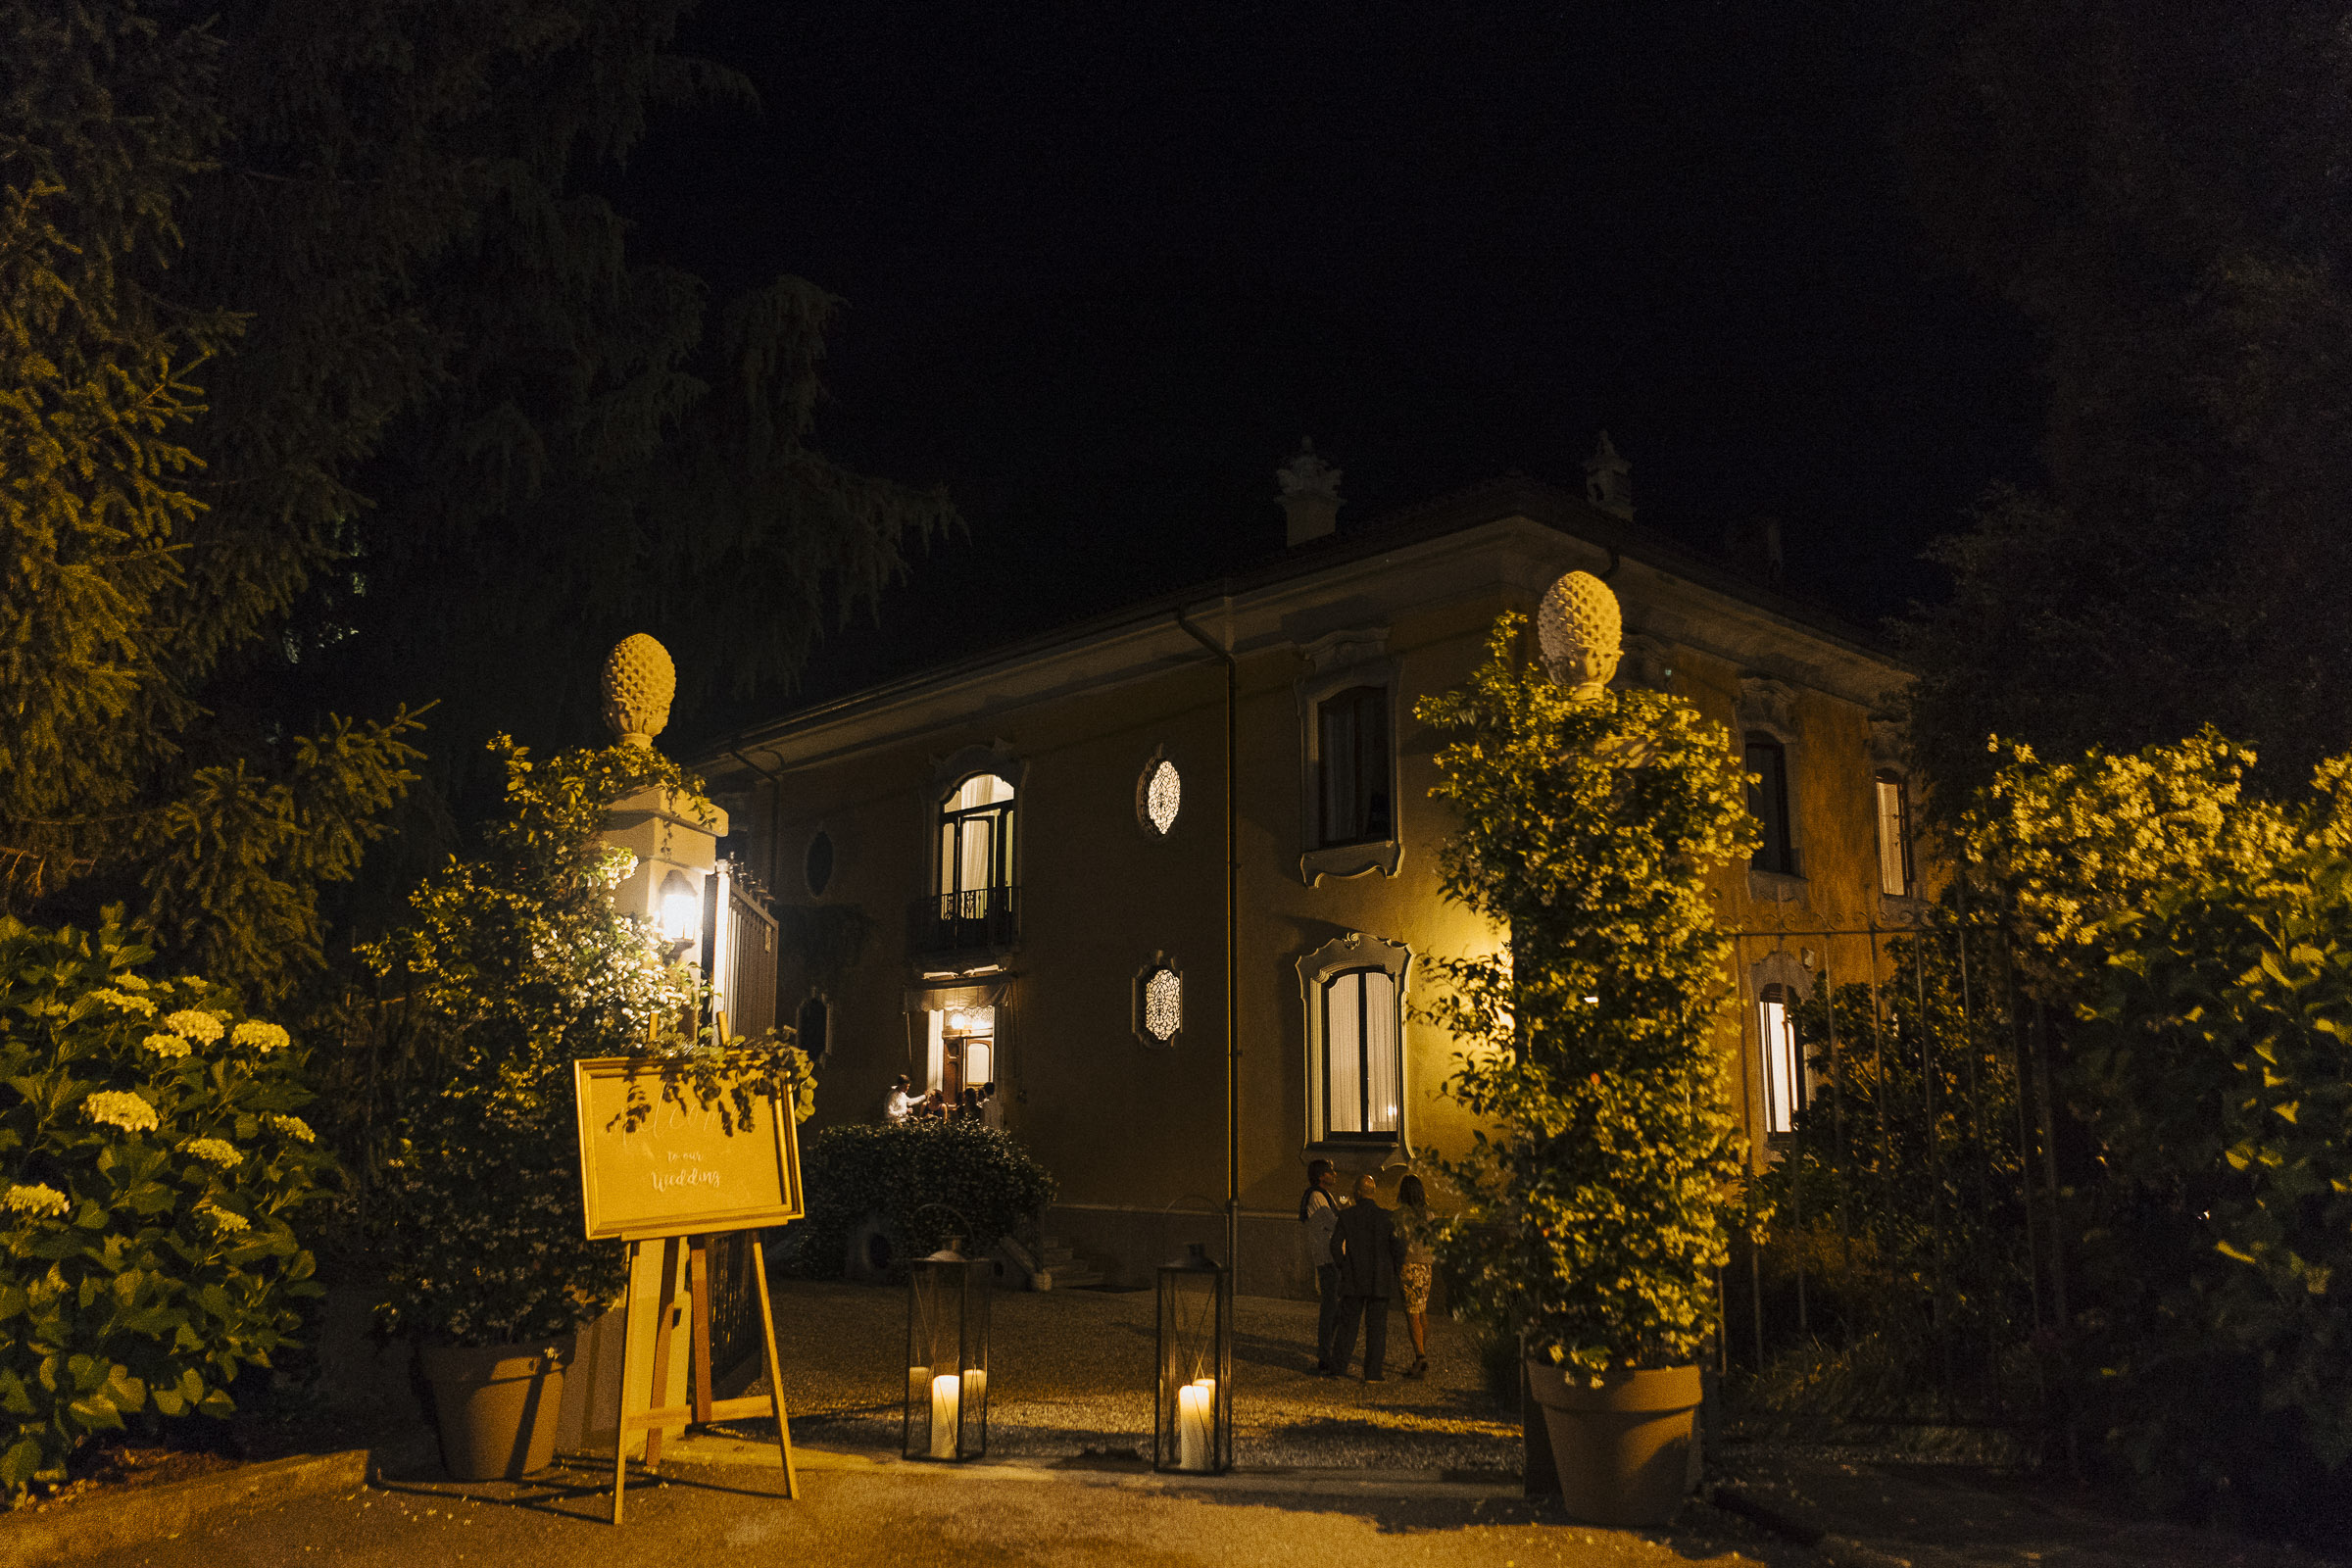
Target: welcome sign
[655, 1161]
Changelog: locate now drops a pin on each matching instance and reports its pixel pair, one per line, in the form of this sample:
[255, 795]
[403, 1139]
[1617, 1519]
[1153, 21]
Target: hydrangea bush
[924, 1181]
[153, 1163]
[512, 964]
[1593, 1217]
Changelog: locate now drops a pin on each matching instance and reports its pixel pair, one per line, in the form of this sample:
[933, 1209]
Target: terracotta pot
[1621, 1439]
[496, 1406]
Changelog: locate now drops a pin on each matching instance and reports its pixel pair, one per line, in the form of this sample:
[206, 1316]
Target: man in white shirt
[901, 1104]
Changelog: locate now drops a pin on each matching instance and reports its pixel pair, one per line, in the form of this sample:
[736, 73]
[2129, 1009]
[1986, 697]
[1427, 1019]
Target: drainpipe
[1233, 1038]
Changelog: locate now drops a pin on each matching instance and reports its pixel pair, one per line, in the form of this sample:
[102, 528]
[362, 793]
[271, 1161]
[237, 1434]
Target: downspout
[1233, 1038]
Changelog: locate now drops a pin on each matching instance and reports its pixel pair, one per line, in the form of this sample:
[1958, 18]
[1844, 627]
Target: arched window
[1784, 1058]
[975, 845]
[1895, 835]
[1768, 802]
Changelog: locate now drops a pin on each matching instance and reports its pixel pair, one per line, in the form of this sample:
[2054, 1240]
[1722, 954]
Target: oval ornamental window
[1159, 1004]
[818, 867]
[1161, 795]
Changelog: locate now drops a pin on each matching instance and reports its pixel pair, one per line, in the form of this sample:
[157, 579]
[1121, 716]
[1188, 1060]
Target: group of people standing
[904, 1105]
[1364, 1257]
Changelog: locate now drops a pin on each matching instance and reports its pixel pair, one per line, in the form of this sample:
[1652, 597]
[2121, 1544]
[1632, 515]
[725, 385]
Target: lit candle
[1191, 1427]
[975, 1390]
[919, 1383]
[945, 1391]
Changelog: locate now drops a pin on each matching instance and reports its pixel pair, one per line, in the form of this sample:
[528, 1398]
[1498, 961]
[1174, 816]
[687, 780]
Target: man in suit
[1364, 1250]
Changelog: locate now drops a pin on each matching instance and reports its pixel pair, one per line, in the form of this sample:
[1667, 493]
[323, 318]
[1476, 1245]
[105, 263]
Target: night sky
[1106, 264]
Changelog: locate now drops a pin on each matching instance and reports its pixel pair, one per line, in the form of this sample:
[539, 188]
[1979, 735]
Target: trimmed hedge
[924, 1181]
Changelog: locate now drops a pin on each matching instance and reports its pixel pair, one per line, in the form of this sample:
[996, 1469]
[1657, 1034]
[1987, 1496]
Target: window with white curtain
[1783, 1060]
[975, 846]
[1363, 1057]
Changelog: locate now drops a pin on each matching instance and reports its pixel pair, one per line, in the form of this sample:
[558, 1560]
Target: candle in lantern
[975, 1388]
[945, 1392]
[1193, 1418]
[918, 1383]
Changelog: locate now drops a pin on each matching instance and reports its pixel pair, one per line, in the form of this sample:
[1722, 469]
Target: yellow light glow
[681, 908]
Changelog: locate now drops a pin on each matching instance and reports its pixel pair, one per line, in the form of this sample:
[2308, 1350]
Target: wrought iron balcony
[972, 919]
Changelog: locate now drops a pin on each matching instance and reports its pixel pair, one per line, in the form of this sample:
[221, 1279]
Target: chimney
[1310, 495]
[1609, 480]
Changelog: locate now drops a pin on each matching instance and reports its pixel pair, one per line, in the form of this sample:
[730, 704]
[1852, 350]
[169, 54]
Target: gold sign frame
[634, 1178]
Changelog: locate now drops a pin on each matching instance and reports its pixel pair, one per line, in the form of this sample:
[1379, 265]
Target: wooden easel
[703, 1409]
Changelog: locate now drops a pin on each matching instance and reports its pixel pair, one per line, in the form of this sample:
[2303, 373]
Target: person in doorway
[1415, 1235]
[901, 1102]
[1365, 1247]
[1319, 1212]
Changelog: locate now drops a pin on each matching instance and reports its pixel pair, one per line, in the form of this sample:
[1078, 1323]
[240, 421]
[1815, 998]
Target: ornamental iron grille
[1905, 1099]
[1191, 1427]
[1159, 1001]
[1162, 796]
[947, 1356]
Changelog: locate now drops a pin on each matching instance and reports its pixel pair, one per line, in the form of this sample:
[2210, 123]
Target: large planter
[496, 1406]
[1620, 1439]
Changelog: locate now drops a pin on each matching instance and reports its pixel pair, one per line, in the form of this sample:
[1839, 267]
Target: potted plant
[1593, 1212]
[511, 966]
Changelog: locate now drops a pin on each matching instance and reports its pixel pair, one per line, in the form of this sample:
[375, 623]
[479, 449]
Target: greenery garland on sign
[513, 965]
[1594, 1213]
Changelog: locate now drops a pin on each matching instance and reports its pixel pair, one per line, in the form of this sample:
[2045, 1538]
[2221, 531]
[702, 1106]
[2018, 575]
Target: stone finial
[639, 682]
[1310, 495]
[1609, 480]
[1579, 629]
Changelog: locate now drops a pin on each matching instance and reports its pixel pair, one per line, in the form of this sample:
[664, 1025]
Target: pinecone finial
[1580, 631]
[639, 682]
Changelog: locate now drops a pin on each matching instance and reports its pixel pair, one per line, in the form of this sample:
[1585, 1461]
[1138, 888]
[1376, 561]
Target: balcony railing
[968, 920]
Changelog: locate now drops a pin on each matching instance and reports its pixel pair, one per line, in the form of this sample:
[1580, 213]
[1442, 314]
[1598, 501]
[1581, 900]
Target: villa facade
[1012, 869]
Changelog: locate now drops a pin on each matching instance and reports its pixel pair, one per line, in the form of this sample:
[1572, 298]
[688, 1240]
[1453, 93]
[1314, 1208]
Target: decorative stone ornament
[639, 682]
[1310, 495]
[1580, 630]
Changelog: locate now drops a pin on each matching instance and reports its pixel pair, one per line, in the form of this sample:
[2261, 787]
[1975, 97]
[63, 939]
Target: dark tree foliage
[2160, 186]
[329, 386]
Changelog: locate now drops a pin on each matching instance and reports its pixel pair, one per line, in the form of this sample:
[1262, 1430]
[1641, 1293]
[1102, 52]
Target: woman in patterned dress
[1414, 1232]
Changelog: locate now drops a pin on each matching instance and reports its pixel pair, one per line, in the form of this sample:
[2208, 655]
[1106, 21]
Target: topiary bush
[152, 1166]
[1593, 1212]
[924, 1180]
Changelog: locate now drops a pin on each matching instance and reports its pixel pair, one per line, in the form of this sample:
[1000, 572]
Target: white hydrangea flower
[125, 1001]
[201, 1027]
[293, 1127]
[262, 1037]
[39, 1199]
[226, 1223]
[116, 1108]
[215, 1152]
[165, 1044]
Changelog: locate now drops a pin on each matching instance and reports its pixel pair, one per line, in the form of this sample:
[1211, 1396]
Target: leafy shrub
[924, 1180]
[152, 1162]
[513, 965]
[1592, 1219]
[2195, 946]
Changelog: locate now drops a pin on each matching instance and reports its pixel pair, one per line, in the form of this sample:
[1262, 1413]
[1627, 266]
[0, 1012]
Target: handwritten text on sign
[656, 1161]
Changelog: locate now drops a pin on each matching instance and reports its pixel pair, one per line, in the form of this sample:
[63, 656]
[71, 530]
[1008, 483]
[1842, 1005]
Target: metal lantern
[1192, 1426]
[947, 1356]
